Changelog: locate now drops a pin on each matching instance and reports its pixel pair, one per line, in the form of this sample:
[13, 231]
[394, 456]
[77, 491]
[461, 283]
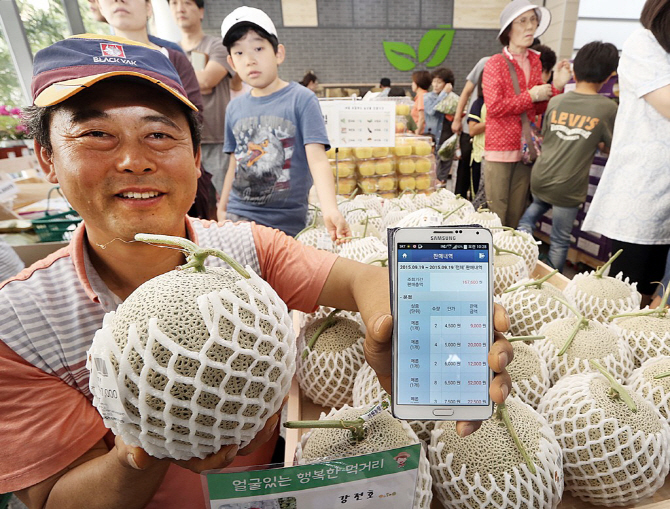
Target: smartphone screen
[442, 311]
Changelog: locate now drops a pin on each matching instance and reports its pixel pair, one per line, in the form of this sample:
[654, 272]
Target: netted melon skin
[508, 269]
[360, 249]
[327, 377]
[519, 242]
[611, 456]
[657, 391]
[617, 357]
[486, 219]
[317, 237]
[421, 217]
[507, 482]
[440, 196]
[184, 402]
[648, 336]
[384, 433]
[530, 375]
[529, 309]
[367, 392]
[599, 307]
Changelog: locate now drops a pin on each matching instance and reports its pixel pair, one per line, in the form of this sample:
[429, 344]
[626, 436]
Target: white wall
[607, 21]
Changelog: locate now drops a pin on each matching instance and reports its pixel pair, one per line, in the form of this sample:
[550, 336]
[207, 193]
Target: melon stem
[662, 375]
[195, 255]
[311, 225]
[618, 390]
[499, 250]
[525, 338]
[603, 268]
[405, 191]
[383, 261]
[537, 283]
[328, 322]
[503, 415]
[660, 312]
[357, 426]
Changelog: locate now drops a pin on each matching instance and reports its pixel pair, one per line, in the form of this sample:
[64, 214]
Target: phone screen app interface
[443, 320]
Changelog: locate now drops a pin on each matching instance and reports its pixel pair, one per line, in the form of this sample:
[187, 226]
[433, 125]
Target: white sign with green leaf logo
[432, 51]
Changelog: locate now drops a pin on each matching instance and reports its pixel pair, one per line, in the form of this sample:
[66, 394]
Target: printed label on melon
[103, 385]
[324, 242]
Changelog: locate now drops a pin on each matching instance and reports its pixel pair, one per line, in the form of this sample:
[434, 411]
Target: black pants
[463, 175]
[642, 263]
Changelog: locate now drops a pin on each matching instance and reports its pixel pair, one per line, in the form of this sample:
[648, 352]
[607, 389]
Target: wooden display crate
[301, 408]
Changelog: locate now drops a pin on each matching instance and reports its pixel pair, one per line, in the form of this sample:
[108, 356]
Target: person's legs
[475, 174]
[497, 178]
[518, 193]
[562, 221]
[534, 212]
[642, 264]
[463, 173]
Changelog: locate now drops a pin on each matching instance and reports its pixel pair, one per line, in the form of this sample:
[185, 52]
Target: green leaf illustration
[400, 55]
[437, 38]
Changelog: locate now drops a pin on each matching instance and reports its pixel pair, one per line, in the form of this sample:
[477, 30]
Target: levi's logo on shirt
[570, 126]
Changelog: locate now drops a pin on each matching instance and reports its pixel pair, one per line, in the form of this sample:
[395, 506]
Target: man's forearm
[225, 190]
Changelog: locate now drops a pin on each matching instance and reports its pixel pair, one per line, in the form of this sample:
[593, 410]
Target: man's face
[254, 59]
[123, 155]
[186, 13]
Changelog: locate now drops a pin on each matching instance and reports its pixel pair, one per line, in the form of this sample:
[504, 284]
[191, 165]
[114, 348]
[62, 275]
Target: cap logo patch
[112, 50]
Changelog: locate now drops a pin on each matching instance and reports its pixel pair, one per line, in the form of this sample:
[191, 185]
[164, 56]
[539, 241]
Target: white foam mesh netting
[485, 469]
[413, 201]
[317, 237]
[368, 391]
[597, 303]
[508, 269]
[370, 202]
[440, 196]
[184, 403]
[459, 206]
[529, 309]
[656, 391]
[421, 217]
[358, 216]
[360, 249]
[648, 336]
[611, 455]
[612, 353]
[519, 242]
[384, 432]
[529, 373]
[483, 218]
[327, 377]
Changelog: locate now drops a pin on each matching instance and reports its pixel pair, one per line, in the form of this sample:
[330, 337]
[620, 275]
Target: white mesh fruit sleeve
[600, 308]
[657, 391]
[199, 425]
[508, 275]
[607, 461]
[527, 311]
[519, 242]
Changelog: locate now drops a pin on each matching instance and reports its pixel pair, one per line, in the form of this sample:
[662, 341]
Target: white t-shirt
[632, 201]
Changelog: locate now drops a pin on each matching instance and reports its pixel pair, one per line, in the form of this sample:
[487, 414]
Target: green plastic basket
[56, 227]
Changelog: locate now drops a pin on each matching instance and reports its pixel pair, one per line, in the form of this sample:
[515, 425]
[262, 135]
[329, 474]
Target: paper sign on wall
[359, 124]
[373, 481]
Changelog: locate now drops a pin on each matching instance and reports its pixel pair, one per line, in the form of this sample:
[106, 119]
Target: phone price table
[442, 331]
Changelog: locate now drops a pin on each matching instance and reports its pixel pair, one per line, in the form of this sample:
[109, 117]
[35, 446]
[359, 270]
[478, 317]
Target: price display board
[359, 124]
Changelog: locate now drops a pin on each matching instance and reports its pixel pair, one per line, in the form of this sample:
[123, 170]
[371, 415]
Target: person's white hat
[516, 8]
[247, 15]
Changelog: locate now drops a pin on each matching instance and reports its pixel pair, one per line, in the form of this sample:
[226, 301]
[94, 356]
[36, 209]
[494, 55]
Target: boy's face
[254, 59]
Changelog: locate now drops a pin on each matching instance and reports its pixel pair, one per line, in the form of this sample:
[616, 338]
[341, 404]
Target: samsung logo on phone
[442, 237]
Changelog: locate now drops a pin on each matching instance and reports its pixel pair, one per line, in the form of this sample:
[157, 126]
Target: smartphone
[442, 305]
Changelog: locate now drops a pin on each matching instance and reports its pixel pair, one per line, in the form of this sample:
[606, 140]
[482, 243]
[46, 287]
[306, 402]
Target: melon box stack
[385, 171]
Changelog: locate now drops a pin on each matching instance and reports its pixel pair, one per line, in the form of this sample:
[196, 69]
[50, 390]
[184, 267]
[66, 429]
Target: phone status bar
[451, 247]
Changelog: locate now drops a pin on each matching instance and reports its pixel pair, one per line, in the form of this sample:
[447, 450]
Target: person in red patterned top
[506, 177]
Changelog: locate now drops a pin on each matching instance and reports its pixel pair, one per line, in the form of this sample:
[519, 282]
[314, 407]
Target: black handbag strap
[525, 123]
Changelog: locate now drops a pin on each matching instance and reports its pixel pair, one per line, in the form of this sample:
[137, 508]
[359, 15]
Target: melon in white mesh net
[485, 469]
[369, 202]
[519, 242]
[323, 311]
[317, 237]
[362, 216]
[484, 218]
[368, 391]
[599, 298]
[612, 456]
[529, 372]
[655, 390]
[360, 249]
[458, 205]
[648, 336]
[440, 196]
[327, 374]
[314, 215]
[391, 205]
[383, 432]
[530, 307]
[594, 341]
[414, 201]
[508, 269]
[421, 217]
[202, 360]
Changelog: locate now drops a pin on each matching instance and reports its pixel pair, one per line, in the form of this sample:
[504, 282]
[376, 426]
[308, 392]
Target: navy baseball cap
[69, 66]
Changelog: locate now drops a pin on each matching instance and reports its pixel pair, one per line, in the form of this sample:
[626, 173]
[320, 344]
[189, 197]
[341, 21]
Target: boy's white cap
[247, 15]
[516, 8]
